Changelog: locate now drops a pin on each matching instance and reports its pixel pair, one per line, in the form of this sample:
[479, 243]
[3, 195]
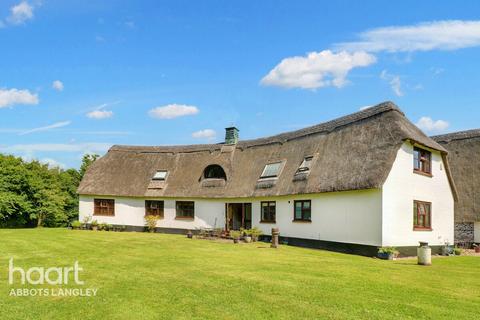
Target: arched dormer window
[214, 171]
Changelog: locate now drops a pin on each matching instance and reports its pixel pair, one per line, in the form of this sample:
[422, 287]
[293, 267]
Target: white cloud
[436, 35]
[52, 163]
[11, 97]
[20, 13]
[204, 134]
[57, 85]
[57, 147]
[394, 81]
[172, 111]
[100, 114]
[46, 128]
[316, 69]
[429, 125]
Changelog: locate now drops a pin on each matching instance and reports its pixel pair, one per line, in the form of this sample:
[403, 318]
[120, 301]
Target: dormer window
[214, 171]
[422, 161]
[271, 170]
[160, 175]
[306, 164]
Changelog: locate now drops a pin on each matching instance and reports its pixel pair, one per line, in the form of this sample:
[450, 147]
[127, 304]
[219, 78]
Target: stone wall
[464, 232]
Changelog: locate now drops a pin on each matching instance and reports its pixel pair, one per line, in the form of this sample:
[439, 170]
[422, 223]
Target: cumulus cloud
[394, 81]
[100, 114]
[436, 35]
[52, 163]
[172, 111]
[57, 85]
[20, 13]
[429, 125]
[46, 128]
[317, 69]
[11, 97]
[204, 134]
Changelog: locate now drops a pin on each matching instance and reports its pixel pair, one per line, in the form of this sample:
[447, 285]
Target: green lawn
[155, 276]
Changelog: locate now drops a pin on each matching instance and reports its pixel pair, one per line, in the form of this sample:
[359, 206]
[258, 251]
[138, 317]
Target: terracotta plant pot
[477, 249]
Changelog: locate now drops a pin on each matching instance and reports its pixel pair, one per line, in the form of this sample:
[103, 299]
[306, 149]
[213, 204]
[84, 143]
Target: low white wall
[476, 230]
[402, 187]
[348, 217]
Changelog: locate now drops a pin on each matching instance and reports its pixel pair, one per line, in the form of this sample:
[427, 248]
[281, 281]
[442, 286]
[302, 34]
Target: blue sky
[78, 76]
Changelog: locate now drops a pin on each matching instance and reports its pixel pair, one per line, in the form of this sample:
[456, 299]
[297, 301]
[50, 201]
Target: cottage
[356, 183]
[464, 157]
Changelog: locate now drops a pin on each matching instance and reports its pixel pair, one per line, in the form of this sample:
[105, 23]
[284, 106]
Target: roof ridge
[327, 126]
[459, 135]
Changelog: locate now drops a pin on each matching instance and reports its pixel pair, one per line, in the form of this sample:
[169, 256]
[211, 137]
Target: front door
[238, 215]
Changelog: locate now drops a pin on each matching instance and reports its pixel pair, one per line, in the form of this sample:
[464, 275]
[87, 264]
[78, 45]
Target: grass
[157, 276]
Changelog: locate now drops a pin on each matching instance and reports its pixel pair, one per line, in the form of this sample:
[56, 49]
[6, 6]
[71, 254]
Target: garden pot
[235, 240]
[190, 235]
[477, 249]
[94, 228]
[247, 239]
[386, 256]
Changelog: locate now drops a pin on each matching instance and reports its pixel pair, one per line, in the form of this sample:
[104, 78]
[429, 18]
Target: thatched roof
[464, 156]
[350, 153]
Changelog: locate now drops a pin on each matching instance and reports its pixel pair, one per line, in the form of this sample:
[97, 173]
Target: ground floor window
[154, 208]
[422, 215]
[268, 211]
[302, 210]
[103, 207]
[185, 210]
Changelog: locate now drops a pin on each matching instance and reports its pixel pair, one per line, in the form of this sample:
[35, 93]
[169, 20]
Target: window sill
[302, 221]
[184, 218]
[422, 229]
[423, 173]
[268, 222]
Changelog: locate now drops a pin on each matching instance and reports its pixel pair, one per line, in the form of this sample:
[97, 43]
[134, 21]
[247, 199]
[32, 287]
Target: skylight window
[306, 164]
[271, 170]
[160, 175]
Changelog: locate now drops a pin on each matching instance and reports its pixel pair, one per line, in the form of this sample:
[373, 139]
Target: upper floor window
[422, 215]
[160, 175]
[422, 161]
[154, 208]
[214, 171]
[185, 210]
[271, 170]
[268, 211]
[103, 207]
[302, 210]
[306, 164]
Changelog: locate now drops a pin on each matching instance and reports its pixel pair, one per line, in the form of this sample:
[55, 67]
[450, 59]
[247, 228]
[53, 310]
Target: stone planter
[247, 239]
[95, 228]
[386, 256]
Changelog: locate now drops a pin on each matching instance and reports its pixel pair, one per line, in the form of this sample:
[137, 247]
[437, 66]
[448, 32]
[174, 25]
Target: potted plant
[247, 235]
[476, 247]
[387, 253]
[151, 223]
[102, 227]
[447, 249]
[255, 233]
[86, 220]
[189, 234]
[458, 251]
[235, 235]
[76, 225]
[94, 225]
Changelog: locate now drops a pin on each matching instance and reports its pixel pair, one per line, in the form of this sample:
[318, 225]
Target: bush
[388, 250]
[76, 224]
[102, 227]
[255, 233]
[94, 223]
[457, 251]
[151, 222]
[235, 234]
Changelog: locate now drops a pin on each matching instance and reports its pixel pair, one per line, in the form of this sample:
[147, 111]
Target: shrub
[94, 223]
[388, 250]
[76, 224]
[151, 222]
[458, 251]
[235, 234]
[109, 227]
[255, 233]
[103, 227]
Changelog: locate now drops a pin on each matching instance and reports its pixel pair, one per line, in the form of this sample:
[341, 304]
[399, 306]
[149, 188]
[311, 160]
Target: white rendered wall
[476, 230]
[131, 212]
[402, 187]
[348, 217]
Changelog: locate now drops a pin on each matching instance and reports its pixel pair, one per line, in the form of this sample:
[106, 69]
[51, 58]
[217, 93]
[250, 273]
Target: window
[271, 170]
[422, 215]
[103, 207]
[214, 171]
[154, 208]
[268, 211]
[185, 210]
[422, 161]
[302, 210]
[160, 175]
[305, 166]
